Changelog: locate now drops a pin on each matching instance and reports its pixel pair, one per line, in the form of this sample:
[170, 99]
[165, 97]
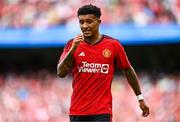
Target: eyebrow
[86, 19]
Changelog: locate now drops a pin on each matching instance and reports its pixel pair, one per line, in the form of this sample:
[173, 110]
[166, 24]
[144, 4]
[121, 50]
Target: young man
[92, 57]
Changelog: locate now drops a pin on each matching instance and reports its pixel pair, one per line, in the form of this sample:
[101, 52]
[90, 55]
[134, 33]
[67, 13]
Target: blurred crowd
[42, 96]
[49, 13]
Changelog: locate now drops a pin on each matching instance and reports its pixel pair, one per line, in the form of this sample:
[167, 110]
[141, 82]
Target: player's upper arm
[66, 49]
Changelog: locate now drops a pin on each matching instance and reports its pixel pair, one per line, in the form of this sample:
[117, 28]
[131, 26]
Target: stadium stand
[48, 13]
[41, 96]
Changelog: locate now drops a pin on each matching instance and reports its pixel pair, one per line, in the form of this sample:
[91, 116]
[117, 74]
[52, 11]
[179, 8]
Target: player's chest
[94, 54]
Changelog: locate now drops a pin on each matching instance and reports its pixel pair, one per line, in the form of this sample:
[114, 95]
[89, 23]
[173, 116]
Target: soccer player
[91, 57]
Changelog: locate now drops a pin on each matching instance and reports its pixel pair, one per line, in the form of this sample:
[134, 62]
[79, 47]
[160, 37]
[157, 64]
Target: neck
[94, 39]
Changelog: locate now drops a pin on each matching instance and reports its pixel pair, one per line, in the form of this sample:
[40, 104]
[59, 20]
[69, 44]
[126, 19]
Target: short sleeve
[66, 49]
[120, 56]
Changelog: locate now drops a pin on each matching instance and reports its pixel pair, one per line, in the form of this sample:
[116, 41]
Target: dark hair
[89, 9]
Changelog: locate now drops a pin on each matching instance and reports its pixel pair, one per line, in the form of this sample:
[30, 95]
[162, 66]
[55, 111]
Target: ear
[99, 21]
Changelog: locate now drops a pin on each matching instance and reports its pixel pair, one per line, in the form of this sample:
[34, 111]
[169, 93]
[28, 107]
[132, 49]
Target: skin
[134, 83]
[89, 25]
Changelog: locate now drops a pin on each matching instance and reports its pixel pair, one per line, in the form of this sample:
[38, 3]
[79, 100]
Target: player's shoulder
[108, 37]
[115, 42]
[111, 39]
[70, 40]
[69, 43]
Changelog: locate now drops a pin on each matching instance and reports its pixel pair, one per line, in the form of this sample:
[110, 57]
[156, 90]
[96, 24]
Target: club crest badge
[106, 53]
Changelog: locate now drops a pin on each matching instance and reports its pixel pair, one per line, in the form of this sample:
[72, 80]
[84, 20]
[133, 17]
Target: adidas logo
[81, 54]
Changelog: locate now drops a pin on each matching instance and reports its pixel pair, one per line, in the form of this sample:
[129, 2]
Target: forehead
[87, 16]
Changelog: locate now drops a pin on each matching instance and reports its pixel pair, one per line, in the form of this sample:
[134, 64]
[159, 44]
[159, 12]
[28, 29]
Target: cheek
[81, 28]
[94, 26]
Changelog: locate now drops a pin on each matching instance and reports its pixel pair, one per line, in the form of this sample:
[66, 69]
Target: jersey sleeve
[120, 56]
[66, 50]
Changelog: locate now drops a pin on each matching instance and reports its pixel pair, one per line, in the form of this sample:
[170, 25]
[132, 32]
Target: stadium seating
[48, 13]
[31, 97]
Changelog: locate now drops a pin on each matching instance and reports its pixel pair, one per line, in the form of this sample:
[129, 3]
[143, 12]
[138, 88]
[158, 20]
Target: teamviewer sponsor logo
[94, 68]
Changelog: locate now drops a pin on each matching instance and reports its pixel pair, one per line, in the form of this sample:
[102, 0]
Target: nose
[84, 25]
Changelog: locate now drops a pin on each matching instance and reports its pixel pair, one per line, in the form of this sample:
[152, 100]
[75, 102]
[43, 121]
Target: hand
[144, 108]
[79, 38]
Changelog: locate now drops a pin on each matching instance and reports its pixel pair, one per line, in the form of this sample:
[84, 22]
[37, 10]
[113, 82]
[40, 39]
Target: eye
[81, 22]
[89, 21]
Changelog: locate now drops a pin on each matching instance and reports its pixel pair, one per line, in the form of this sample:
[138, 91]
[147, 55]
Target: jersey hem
[88, 114]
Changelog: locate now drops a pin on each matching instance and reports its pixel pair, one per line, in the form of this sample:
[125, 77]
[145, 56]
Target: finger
[145, 113]
[80, 37]
[77, 39]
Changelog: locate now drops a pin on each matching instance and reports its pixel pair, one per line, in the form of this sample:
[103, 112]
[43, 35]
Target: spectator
[33, 97]
[48, 13]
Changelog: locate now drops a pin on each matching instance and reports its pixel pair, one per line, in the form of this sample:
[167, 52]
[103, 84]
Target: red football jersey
[93, 71]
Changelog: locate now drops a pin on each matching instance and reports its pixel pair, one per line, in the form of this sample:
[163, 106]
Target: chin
[87, 35]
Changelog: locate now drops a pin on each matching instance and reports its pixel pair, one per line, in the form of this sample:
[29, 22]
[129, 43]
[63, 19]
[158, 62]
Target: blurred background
[34, 32]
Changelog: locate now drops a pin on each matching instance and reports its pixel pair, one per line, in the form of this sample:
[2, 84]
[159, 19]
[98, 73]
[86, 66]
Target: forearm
[64, 66]
[133, 80]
